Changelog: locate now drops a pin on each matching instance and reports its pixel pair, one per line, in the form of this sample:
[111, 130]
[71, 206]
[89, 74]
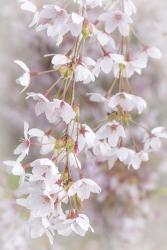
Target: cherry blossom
[53, 187]
[103, 151]
[82, 69]
[116, 19]
[41, 102]
[77, 223]
[54, 110]
[127, 102]
[152, 141]
[23, 148]
[44, 169]
[39, 204]
[59, 109]
[138, 158]
[106, 63]
[82, 134]
[103, 38]
[83, 188]
[112, 131]
[54, 20]
[133, 64]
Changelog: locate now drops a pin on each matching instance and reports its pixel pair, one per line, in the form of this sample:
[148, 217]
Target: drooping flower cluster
[53, 187]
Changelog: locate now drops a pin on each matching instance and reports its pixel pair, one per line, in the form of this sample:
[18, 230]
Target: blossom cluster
[53, 186]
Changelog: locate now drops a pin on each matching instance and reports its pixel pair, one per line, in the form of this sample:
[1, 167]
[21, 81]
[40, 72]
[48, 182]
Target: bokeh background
[18, 41]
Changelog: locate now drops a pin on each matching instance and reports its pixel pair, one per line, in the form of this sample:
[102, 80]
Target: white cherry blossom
[103, 151]
[82, 134]
[78, 224]
[112, 131]
[41, 102]
[54, 20]
[116, 19]
[124, 155]
[83, 188]
[83, 71]
[44, 169]
[105, 64]
[23, 148]
[138, 158]
[127, 102]
[50, 186]
[39, 204]
[152, 141]
[55, 110]
[132, 64]
[58, 22]
[103, 38]
[59, 110]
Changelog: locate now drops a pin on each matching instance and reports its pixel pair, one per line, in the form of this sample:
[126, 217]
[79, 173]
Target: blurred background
[144, 225]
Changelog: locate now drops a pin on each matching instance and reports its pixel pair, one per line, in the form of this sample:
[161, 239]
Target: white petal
[77, 18]
[96, 97]
[154, 52]
[34, 132]
[29, 6]
[22, 65]
[59, 60]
